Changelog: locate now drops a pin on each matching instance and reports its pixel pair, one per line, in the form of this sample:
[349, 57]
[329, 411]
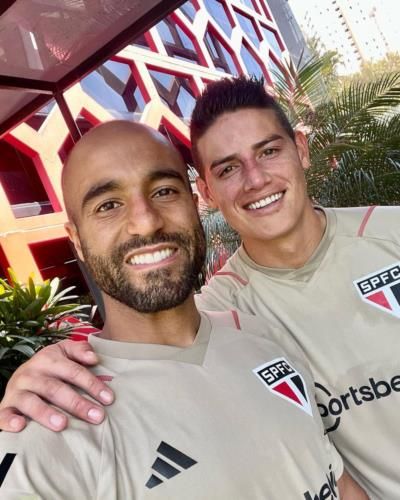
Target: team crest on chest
[284, 381]
[382, 289]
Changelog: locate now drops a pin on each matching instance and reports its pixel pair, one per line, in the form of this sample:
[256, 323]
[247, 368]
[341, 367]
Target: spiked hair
[228, 95]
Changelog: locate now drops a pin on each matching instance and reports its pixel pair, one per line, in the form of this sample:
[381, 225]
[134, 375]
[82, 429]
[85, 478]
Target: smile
[264, 202]
[151, 257]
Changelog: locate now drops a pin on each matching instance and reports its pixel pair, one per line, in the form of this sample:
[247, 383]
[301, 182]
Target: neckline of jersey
[194, 353]
[305, 272]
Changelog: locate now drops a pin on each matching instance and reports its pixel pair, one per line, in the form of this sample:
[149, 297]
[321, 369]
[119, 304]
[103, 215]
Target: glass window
[222, 59]
[252, 66]
[189, 10]
[141, 41]
[175, 91]
[55, 258]
[180, 146]
[37, 120]
[176, 41]
[271, 38]
[248, 3]
[274, 70]
[84, 125]
[218, 13]
[21, 183]
[112, 85]
[248, 27]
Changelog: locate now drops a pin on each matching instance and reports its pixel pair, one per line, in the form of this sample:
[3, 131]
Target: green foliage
[222, 241]
[353, 132]
[31, 317]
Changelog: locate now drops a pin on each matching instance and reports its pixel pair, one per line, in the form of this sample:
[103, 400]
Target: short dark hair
[227, 95]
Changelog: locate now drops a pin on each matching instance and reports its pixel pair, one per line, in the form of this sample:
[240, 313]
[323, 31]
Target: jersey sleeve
[40, 464]
[218, 295]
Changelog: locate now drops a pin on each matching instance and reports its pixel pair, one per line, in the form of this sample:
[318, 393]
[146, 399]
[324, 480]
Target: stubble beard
[160, 289]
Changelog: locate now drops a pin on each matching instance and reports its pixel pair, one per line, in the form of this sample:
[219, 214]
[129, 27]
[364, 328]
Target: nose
[143, 218]
[255, 176]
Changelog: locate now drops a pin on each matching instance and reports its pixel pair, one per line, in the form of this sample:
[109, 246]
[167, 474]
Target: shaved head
[133, 217]
[111, 140]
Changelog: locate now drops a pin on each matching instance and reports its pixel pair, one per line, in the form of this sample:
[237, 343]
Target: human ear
[74, 237]
[302, 149]
[205, 192]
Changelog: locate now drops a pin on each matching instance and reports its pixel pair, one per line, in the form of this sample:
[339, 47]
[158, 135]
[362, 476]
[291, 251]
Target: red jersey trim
[236, 319]
[365, 220]
[233, 275]
[105, 378]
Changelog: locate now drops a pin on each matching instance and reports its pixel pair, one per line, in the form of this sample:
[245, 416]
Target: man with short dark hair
[203, 410]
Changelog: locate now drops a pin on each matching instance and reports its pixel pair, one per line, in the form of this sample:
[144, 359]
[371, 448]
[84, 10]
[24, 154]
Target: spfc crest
[284, 381]
[382, 289]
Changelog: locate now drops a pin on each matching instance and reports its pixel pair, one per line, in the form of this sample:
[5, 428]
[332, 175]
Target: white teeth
[151, 258]
[265, 201]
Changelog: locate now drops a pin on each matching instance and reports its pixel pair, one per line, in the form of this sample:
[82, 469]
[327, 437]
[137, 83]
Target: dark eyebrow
[98, 190]
[265, 141]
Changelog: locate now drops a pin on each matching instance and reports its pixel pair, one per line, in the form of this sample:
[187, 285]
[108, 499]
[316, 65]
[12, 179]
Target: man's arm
[349, 489]
[47, 378]
[43, 465]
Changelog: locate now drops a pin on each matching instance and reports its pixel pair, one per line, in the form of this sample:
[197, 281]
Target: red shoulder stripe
[236, 319]
[365, 220]
[234, 275]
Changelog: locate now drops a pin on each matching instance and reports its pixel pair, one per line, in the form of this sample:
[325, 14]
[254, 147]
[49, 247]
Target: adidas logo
[163, 467]
[5, 465]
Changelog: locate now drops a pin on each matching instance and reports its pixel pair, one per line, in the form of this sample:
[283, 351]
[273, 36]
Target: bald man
[202, 411]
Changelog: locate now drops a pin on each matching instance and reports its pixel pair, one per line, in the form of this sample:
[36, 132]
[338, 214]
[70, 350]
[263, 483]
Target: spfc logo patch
[284, 381]
[382, 289]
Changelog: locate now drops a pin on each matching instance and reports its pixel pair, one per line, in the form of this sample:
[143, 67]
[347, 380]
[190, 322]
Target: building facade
[358, 30]
[155, 80]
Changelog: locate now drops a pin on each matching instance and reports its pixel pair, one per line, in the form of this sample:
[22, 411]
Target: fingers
[11, 421]
[80, 352]
[47, 378]
[62, 396]
[59, 370]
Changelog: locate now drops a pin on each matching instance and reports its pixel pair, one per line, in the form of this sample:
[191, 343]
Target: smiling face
[254, 173]
[133, 218]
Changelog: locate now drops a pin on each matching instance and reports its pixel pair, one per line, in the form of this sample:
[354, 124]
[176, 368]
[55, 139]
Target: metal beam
[99, 57]
[25, 112]
[27, 84]
[6, 4]
[67, 115]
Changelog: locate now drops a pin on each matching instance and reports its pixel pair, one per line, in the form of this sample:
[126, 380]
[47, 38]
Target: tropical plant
[354, 137]
[31, 316]
[222, 241]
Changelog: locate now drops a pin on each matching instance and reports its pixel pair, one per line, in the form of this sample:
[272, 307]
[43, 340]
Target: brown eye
[164, 192]
[108, 205]
[226, 170]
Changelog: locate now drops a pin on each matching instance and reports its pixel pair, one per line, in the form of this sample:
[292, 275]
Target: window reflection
[248, 27]
[252, 66]
[176, 42]
[248, 3]
[113, 87]
[272, 40]
[37, 120]
[21, 183]
[217, 12]
[220, 56]
[189, 10]
[141, 41]
[175, 92]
